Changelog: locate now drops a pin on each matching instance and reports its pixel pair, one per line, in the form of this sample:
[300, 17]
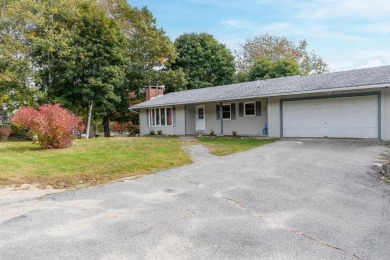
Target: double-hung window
[249, 109]
[160, 116]
[226, 111]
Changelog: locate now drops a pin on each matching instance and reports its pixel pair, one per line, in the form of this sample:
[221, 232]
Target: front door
[200, 118]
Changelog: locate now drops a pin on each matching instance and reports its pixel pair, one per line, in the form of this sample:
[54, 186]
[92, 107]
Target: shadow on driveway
[292, 199]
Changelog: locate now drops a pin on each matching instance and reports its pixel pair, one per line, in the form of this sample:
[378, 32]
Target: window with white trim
[226, 111]
[249, 109]
[160, 116]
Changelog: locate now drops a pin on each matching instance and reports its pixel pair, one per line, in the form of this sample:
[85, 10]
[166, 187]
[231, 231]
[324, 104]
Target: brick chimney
[154, 91]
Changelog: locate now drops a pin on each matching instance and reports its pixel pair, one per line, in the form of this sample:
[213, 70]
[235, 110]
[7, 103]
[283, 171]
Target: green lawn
[224, 146]
[99, 160]
[88, 161]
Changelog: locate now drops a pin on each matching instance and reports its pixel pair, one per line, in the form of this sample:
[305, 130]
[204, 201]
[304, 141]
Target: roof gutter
[131, 110]
[329, 90]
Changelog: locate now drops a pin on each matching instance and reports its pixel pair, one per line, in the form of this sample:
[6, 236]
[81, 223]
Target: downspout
[221, 118]
[185, 119]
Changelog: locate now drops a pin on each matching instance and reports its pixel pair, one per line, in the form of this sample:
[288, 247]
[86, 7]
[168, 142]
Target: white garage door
[355, 117]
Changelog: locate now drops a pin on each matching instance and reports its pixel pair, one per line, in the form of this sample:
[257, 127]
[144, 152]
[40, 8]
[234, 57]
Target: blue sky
[348, 34]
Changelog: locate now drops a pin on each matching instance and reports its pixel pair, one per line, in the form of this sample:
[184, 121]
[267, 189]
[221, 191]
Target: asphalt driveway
[292, 199]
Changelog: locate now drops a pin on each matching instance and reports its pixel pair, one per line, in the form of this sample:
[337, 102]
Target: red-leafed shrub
[52, 124]
[4, 133]
[121, 127]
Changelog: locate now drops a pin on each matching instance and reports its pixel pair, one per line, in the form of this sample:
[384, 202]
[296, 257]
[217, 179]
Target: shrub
[151, 132]
[212, 133]
[4, 133]
[121, 127]
[134, 131]
[159, 132]
[52, 124]
[234, 133]
[20, 133]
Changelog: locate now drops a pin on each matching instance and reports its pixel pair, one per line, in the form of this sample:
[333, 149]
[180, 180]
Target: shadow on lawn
[17, 146]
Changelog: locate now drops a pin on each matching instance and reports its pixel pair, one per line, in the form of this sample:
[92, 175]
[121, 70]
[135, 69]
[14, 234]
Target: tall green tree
[149, 50]
[204, 60]
[18, 20]
[82, 54]
[274, 48]
[81, 59]
[267, 69]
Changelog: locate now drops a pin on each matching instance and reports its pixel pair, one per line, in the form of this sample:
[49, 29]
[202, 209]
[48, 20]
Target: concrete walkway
[292, 199]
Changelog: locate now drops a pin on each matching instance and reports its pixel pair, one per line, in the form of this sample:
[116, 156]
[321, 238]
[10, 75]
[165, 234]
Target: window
[169, 116]
[249, 109]
[201, 113]
[163, 116]
[226, 111]
[160, 116]
[152, 121]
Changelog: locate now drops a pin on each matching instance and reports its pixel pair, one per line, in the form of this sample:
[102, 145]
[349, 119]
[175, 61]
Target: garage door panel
[323, 132]
[334, 112]
[331, 102]
[333, 122]
[332, 117]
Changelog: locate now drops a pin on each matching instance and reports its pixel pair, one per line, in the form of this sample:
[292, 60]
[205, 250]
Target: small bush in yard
[151, 132]
[121, 127]
[4, 133]
[52, 124]
[159, 132]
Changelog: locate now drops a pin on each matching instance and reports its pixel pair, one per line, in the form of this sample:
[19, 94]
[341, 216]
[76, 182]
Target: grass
[89, 162]
[225, 146]
[100, 160]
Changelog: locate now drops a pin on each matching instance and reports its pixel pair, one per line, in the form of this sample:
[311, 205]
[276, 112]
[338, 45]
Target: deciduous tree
[274, 48]
[82, 53]
[18, 20]
[204, 60]
[81, 59]
[148, 50]
[266, 69]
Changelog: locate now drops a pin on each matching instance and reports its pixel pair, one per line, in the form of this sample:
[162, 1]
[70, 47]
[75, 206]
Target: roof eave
[382, 85]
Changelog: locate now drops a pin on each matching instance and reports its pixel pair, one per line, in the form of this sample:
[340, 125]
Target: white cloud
[275, 27]
[232, 23]
[312, 31]
[326, 33]
[362, 60]
[248, 25]
[382, 28]
[346, 8]
[233, 44]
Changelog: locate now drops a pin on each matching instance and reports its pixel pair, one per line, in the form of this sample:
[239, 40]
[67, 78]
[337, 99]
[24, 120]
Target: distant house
[348, 104]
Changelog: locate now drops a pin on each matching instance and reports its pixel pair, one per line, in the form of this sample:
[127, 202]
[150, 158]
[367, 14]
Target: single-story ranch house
[348, 104]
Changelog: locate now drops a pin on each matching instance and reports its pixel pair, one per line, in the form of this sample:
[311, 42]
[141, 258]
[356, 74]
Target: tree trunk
[106, 126]
[87, 135]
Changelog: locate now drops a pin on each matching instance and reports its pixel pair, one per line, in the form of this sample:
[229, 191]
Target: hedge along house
[348, 104]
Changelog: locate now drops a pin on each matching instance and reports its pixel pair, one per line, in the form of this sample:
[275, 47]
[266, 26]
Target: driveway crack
[253, 213]
[142, 232]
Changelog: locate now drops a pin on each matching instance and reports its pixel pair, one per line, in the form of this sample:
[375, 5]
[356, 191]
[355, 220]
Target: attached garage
[338, 116]
[344, 104]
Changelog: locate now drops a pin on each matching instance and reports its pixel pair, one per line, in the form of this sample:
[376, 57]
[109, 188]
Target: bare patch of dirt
[16, 193]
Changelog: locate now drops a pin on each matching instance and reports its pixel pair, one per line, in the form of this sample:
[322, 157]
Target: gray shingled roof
[275, 87]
